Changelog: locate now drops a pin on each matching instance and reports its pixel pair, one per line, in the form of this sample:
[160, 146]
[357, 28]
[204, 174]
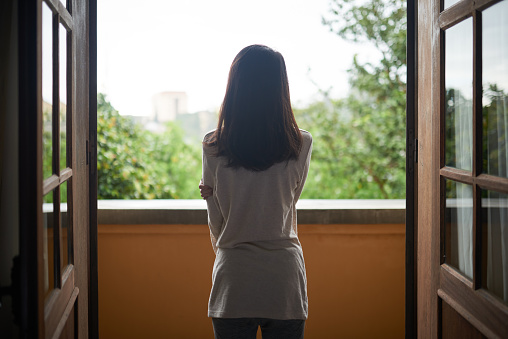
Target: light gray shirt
[259, 270]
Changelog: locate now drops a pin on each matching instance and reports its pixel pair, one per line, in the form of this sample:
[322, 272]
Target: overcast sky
[166, 45]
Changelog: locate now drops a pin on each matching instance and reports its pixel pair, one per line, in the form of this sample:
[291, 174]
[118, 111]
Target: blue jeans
[246, 328]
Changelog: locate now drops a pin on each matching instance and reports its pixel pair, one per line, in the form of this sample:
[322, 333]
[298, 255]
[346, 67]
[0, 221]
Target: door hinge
[87, 153]
[415, 150]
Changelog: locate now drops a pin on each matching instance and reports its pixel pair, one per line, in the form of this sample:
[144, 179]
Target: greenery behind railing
[359, 141]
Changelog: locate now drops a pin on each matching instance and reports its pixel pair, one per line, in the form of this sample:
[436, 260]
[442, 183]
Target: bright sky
[167, 45]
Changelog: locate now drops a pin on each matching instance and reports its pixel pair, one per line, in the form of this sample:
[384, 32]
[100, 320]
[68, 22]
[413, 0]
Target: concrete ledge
[316, 211]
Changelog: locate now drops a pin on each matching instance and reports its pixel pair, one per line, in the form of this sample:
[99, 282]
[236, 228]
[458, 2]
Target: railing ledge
[193, 211]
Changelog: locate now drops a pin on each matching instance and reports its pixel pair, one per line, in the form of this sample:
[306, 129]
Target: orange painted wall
[154, 281]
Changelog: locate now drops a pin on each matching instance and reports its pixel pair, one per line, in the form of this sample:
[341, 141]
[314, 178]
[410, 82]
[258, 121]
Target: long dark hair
[257, 127]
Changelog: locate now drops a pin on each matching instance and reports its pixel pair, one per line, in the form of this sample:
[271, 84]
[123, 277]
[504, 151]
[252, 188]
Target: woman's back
[254, 206]
[259, 269]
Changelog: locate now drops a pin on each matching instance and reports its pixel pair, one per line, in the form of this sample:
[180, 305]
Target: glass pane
[66, 223]
[459, 227]
[459, 96]
[62, 37]
[48, 247]
[448, 3]
[495, 228]
[47, 90]
[495, 89]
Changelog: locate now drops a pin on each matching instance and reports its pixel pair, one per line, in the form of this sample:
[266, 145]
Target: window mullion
[477, 148]
[57, 248]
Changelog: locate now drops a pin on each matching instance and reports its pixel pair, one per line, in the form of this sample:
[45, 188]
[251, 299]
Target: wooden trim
[485, 181]
[58, 7]
[65, 174]
[455, 14]
[480, 5]
[466, 314]
[456, 174]
[70, 224]
[477, 147]
[53, 181]
[477, 238]
[461, 11]
[80, 184]
[442, 99]
[484, 247]
[411, 169]
[483, 311]
[429, 160]
[93, 295]
[457, 275]
[55, 105]
[50, 184]
[477, 95]
[65, 17]
[70, 108]
[55, 133]
[30, 168]
[67, 312]
[57, 235]
[444, 230]
[493, 183]
[57, 303]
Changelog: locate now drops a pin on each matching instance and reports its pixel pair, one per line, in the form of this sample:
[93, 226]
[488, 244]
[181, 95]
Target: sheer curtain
[464, 193]
[495, 111]
[496, 204]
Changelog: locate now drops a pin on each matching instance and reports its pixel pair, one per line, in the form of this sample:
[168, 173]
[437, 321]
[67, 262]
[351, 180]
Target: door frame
[93, 293]
[411, 169]
[30, 172]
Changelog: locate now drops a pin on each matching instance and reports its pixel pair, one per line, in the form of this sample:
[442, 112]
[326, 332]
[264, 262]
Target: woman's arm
[215, 218]
[305, 171]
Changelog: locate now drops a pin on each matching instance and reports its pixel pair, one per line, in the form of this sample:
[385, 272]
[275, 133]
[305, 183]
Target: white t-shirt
[259, 270]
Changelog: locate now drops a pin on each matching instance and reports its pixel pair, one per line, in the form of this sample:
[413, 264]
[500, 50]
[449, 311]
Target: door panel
[54, 204]
[455, 326]
[463, 169]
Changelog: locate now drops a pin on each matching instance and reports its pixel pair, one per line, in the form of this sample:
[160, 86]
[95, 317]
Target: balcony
[155, 267]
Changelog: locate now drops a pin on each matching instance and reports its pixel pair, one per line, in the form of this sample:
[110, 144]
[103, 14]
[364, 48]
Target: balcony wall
[155, 274]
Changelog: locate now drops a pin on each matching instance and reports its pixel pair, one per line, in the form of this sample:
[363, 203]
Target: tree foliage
[134, 163]
[359, 149]
[359, 141]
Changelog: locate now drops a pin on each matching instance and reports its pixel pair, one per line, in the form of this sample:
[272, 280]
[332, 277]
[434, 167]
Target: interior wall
[9, 211]
[155, 280]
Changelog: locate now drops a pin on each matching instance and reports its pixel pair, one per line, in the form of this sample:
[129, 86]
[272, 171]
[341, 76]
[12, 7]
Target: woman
[254, 168]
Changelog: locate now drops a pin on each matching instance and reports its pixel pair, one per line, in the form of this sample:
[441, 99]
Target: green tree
[176, 164]
[134, 163]
[360, 140]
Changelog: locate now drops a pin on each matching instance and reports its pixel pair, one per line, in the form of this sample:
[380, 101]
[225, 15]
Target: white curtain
[497, 204]
[464, 193]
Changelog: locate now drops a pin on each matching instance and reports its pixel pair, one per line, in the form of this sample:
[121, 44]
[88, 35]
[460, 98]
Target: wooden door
[462, 231]
[54, 168]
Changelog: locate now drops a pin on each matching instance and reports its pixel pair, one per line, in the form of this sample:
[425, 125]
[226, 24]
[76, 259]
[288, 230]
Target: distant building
[167, 105]
[172, 106]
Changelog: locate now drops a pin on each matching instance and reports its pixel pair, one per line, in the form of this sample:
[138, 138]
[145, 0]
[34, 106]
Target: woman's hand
[206, 191]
